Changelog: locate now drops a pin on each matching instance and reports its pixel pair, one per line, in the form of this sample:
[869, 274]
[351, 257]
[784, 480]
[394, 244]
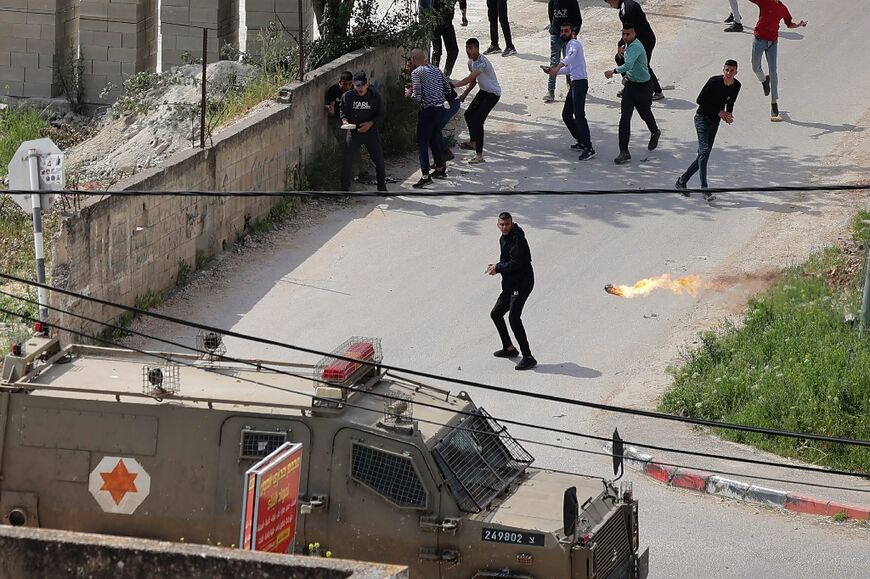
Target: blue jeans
[707, 127]
[760, 46]
[557, 51]
[446, 116]
[428, 121]
[574, 113]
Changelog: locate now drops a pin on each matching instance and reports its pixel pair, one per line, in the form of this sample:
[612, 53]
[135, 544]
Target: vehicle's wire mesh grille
[479, 460]
[612, 545]
[257, 444]
[392, 476]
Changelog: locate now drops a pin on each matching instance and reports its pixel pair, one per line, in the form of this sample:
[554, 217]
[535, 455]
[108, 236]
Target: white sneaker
[549, 97]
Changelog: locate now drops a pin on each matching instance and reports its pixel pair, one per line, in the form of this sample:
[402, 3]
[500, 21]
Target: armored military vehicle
[156, 445]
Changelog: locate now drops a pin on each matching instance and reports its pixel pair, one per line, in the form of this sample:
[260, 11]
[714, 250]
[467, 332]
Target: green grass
[17, 126]
[794, 364]
[263, 87]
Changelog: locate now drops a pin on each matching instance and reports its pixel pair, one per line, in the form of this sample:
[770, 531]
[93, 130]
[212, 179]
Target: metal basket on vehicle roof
[344, 372]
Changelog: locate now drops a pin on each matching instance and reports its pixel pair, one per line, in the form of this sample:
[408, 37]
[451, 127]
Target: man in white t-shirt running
[481, 74]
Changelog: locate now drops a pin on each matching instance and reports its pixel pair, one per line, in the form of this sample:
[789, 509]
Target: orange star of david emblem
[119, 482]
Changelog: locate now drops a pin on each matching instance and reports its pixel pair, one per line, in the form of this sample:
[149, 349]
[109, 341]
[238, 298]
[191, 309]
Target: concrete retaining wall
[29, 553]
[124, 247]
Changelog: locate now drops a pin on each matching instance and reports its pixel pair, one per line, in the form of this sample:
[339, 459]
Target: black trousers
[655, 80]
[448, 34]
[372, 142]
[635, 96]
[496, 11]
[511, 302]
[476, 115]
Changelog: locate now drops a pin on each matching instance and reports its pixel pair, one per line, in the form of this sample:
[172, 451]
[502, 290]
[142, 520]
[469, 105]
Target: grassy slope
[794, 364]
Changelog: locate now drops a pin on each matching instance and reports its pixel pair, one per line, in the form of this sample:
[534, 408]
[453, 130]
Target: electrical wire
[453, 193]
[260, 366]
[170, 359]
[460, 381]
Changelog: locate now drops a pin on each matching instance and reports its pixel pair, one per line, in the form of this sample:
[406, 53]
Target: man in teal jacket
[637, 93]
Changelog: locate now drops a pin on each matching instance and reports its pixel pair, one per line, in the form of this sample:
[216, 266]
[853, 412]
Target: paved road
[411, 269]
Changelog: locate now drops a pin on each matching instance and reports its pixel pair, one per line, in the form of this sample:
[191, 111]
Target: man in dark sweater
[517, 281]
[630, 11]
[560, 12]
[364, 108]
[445, 10]
[715, 103]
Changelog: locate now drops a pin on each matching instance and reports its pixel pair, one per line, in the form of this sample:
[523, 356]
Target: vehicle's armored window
[256, 444]
[393, 476]
[479, 460]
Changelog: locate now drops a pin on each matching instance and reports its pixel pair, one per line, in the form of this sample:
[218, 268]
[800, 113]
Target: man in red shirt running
[766, 36]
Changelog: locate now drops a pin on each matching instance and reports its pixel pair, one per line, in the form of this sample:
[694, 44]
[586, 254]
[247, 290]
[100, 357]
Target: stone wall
[29, 553]
[124, 247]
[118, 38]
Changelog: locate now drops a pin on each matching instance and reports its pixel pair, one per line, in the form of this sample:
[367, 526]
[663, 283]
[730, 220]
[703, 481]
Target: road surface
[411, 270]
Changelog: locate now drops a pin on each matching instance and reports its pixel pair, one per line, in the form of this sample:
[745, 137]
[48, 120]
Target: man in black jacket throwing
[363, 109]
[630, 11]
[517, 280]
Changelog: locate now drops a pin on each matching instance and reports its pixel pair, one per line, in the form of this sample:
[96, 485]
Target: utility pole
[300, 40]
[39, 247]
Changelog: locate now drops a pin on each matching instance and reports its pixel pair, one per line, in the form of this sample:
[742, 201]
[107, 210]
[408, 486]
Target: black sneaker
[448, 155]
[577, 146]
[382, 188]
[708, 197]
[505, 353]
[680, 184]
[493, 48]
[622, 158]
[427, 180]
[440, 173]
[509, 51]
[587, 154]
[730, 18]
[654, 140]
[527, 363]
[774, 113]
[735, 28]
[765, 85]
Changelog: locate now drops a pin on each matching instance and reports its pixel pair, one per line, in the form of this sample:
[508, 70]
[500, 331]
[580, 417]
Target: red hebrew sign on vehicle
[271, 501]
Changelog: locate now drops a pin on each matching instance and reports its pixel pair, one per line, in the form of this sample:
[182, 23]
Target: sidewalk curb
[713, 484]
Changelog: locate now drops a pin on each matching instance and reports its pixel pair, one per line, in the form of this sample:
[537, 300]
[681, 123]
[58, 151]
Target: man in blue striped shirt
[637, 93]
[428, 87]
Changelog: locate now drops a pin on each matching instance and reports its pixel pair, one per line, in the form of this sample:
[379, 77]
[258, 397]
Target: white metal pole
[36, 201]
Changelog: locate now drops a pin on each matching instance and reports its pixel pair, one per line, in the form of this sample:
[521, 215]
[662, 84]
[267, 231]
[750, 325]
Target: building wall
[118, 38]
[124, 247]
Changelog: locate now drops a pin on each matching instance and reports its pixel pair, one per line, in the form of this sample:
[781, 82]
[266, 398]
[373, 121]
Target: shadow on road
[567, 369]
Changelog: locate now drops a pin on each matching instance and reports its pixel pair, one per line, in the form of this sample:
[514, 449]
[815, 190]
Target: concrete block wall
[112, 41]
[181, 24]
[124, 247]
[285, 13]
[118, 38]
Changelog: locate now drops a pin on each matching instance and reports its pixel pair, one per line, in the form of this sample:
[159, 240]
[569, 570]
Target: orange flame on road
[689, 284]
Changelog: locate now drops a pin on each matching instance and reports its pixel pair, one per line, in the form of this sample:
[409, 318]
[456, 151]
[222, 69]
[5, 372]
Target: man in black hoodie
[560, 12]
[517, 280]
[630, 11]
[363, 109]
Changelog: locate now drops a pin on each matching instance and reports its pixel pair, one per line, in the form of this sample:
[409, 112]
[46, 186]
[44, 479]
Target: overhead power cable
[168, 358]
[460, 381]
[487, 193]
[260, 366]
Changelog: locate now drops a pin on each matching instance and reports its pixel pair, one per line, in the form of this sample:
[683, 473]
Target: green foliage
[201, 260]
[184, 273]
[323, 171]
[840, 517]
[399, 27]
[399, 133]
[794, 364]
[17, 126]
[70, 76]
